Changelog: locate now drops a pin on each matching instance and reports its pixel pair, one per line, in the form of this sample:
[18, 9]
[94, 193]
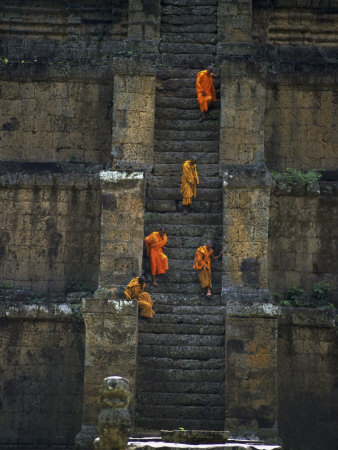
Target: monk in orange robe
[135, 291]
[188, 183]
[205, 89]
[155, 244]
[202, 265]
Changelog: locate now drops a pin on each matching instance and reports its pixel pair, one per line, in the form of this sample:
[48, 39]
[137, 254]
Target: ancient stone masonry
[49, 230]
[98, 113]
[41, 374]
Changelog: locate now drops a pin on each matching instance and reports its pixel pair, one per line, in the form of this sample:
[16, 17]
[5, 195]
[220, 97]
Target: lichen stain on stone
[259, 358]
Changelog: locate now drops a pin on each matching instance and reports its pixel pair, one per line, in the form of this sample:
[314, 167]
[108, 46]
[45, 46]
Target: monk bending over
[155, 244]
[135, 291]
[202, 265]
[188, 183]
[205, 89]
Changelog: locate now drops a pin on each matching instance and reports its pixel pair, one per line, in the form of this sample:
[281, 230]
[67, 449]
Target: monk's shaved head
[193, 159]
[162, 230]
[141, 279]
[210, 69]
[209, 243]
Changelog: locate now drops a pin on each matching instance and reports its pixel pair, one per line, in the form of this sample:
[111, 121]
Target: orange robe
[202, 265]
[158, 260]
[204, 83]
[135, 291]
[189, 175]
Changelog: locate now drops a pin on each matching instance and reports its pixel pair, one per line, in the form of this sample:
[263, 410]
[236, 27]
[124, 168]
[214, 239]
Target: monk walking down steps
[188, 183]
[205, 89]
[202, 265]
[135, 291]
[155, 244]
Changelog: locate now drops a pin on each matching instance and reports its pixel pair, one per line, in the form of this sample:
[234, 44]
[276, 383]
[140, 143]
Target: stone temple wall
[300, 127]
[50, 230]
[55, 121]
[303, 239]
[307, 378]
[42, 359]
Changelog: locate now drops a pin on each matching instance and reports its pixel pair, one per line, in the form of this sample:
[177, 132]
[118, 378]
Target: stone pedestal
[111, 347]
[133, 115]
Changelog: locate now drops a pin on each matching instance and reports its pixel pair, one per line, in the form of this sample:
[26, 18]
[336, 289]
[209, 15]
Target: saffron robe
[204, 83]
[158, 260]
[135, 291]
[202, 265]
[189, 175]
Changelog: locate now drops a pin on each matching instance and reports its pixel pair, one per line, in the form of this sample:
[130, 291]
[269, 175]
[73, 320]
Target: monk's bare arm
[218, 74]
[216, 257]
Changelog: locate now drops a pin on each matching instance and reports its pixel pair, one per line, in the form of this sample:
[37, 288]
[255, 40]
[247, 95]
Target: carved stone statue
[114, 420]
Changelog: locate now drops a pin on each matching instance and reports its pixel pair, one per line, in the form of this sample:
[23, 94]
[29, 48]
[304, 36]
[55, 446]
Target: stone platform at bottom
[230, 444]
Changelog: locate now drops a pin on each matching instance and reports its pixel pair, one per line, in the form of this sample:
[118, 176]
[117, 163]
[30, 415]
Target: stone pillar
[144, 19]
[251, 390]
[122, 223]
[242, 114]
[111, 321]
[111, 346]
[133, 115]
[234, 22]
[251, 319]
[246, 196]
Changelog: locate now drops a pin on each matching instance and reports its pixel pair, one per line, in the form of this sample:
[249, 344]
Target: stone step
[176, 103]
[171, 328]
[181, 352]
[200, 134]
[185, 288]
[189, 2]
[159, 398]
[191, 9]
[185, 265]
[186, 18]
[187, 48]
[186, 309]
[186, 61]
[188, 114]
[174, 277]
[180, 339]
[188, 319]
[173, 193]
[169, 411]
[190, 38]
[191, 364]
[205, 170]
[156, 423]
[183, 219]
[169, 73]
[175, 180]
[187, 300]
[164, 206]
[188, 253]
[211, 387]
[189, 28]
[186, 230]
[187, 125]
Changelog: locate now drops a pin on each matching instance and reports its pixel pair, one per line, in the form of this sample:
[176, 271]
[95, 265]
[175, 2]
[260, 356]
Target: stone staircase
[180, 372]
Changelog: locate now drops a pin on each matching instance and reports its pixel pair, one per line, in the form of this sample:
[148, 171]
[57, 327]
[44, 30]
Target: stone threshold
[157, 443]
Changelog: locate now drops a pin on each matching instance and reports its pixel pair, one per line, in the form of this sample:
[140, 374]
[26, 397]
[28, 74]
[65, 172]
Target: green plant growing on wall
[293, 294]
[73, 286]
[321, 291]
[293, 177]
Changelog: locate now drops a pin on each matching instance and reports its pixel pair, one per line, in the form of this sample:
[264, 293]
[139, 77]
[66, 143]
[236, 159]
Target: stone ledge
[111, 177]
[159, 445]
[57, 312]
[67, 180]
[308, 317]
[237, 176]
[109, 306]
